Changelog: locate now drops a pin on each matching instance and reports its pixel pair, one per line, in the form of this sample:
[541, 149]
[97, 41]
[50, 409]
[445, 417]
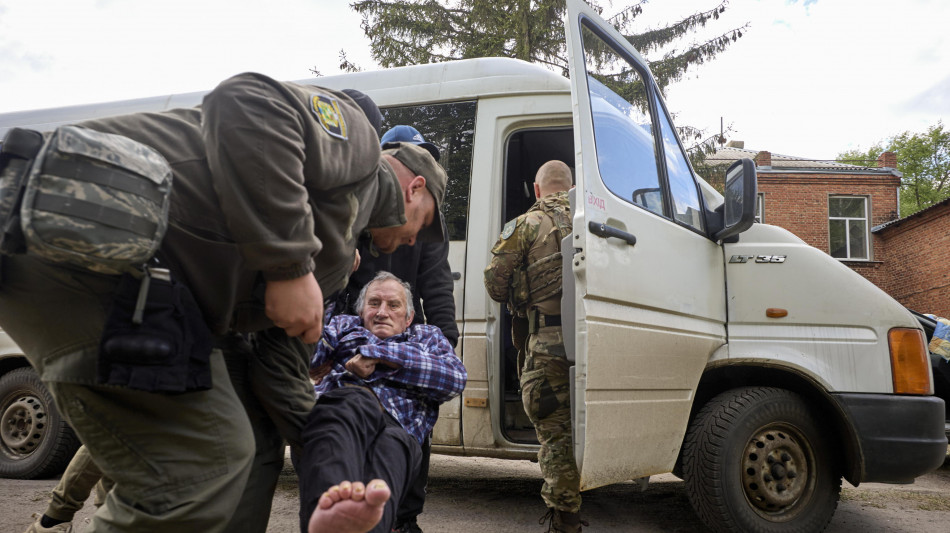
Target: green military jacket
[272, 181]
[525, 270]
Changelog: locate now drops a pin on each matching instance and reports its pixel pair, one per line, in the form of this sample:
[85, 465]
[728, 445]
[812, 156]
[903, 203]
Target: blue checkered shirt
[429, 374]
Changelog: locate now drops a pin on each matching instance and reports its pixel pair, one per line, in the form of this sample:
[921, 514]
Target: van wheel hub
[775, 469]
[22, 424]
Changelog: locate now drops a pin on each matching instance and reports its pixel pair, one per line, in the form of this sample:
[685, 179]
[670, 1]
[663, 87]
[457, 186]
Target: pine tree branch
[672, 68]
[627, 14]
[653, 40]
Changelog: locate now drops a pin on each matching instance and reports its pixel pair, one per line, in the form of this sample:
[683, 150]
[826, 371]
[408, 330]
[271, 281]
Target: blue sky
[810, 78]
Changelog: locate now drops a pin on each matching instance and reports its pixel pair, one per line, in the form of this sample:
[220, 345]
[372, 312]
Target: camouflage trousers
[74, 488]
[545, 391]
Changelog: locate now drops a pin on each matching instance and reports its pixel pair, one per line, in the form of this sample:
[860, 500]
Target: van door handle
[456, 276]
[603, 230]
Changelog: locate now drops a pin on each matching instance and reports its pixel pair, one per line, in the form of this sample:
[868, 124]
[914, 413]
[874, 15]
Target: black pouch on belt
[155, 338]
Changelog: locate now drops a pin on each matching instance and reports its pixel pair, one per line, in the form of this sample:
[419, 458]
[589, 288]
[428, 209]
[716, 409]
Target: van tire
[756, 459]
[35, 440]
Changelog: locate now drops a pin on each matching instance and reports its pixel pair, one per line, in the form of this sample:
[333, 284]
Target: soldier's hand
[361, 366]
[296, 306]
[317, 374]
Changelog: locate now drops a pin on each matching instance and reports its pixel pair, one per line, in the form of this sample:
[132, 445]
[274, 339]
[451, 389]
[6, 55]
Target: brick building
[851, 212]
[918, 259]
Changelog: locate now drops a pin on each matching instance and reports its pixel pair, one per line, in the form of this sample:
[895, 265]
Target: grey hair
[381, 276]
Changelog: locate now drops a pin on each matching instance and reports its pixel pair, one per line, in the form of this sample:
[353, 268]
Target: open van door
[649, 286]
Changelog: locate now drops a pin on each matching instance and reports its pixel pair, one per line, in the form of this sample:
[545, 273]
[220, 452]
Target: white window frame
[847, 220]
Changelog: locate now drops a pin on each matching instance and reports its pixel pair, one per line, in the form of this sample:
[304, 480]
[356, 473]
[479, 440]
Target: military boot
[563, 521]
[37, 526]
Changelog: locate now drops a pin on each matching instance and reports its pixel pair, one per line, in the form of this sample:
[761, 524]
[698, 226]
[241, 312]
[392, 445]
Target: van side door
[649, 284]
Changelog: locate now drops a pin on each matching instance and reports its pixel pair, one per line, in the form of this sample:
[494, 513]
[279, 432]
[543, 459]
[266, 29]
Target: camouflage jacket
[525, 268]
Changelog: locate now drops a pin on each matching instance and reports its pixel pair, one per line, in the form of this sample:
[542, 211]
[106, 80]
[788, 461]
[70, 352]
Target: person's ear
[416, 185]
[537, 191]
[412, 314]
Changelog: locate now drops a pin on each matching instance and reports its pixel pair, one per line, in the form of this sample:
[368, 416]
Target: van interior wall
[526, 151]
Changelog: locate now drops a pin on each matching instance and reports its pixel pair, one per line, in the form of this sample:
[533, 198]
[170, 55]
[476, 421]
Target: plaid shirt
[430, 373]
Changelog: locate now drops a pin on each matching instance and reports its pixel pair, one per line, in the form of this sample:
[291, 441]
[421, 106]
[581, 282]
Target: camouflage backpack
[90, 199]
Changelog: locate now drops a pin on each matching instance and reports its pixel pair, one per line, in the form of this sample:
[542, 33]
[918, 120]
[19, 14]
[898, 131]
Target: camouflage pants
[73, 489]
[545, 391]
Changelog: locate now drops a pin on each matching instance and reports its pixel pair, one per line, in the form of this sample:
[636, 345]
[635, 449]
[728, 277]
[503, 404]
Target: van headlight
[910, 362]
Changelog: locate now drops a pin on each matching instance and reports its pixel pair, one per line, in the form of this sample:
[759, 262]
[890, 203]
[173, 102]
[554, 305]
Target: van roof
[434, 82]
[451, 80]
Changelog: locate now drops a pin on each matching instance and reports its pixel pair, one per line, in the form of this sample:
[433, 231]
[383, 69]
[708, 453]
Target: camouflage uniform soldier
[525, 273]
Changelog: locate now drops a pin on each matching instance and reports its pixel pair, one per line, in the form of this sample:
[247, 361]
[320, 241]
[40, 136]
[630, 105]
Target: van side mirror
[739, 205]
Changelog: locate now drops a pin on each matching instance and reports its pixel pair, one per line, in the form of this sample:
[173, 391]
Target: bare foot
[350, 507]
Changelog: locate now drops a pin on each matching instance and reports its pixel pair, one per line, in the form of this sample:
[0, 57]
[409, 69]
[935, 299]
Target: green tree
[408, 32]
[924, 161]
[857, 157]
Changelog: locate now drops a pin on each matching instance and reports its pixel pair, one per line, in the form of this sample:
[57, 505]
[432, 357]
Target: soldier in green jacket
[273, 183]
[525, 273]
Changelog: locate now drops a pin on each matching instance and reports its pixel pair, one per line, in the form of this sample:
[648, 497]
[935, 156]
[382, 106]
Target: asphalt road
[476, 494]
[497, 496]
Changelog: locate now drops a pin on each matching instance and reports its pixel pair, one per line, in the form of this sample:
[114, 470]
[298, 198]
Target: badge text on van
[757, 258]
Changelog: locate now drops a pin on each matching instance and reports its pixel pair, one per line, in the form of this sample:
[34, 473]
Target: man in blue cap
[425, 266]
[408, 134]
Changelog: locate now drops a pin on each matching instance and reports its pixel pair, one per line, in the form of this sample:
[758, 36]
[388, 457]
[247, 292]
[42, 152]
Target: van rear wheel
[755, 459]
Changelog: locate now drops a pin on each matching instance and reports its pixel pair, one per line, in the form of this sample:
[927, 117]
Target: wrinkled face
[420, 212]
[384, 309]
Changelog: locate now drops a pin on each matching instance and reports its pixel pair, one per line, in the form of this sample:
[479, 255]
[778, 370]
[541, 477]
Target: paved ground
[479, 495]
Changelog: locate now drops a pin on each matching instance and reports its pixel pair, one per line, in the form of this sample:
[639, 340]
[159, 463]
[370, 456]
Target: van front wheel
[755, 459]
[35, 441]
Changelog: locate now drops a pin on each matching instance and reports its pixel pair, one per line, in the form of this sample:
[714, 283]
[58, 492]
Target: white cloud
[98, 51]
[817, 78]
[932, 99]
[810, 78]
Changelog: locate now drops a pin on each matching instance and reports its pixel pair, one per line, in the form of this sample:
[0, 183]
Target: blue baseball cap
[407, 134]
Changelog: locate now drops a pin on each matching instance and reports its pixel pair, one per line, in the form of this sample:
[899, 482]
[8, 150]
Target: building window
[760, 208]
[848, 227]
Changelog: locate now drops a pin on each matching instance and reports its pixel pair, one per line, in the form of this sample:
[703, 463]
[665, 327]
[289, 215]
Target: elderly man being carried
[379, 383]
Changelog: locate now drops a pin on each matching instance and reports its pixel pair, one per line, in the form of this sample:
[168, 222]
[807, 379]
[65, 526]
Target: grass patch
[922, 501]
[866, 499]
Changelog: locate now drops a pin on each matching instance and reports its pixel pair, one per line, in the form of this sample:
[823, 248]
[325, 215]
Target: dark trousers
[415, 496]
[349, 436]
[253, 511]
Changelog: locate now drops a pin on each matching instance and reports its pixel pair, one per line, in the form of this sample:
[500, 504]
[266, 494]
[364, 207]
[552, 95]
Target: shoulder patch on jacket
[509, 228]
[328, 114]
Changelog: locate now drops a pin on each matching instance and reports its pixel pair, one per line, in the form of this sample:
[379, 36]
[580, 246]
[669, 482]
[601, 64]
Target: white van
[757, 368]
